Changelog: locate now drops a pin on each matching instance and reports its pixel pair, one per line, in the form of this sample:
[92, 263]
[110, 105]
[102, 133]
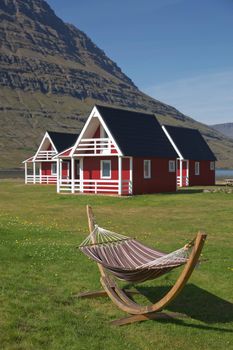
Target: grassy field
[41, 270]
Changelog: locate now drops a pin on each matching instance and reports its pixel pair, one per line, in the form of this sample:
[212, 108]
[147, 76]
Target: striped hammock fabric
[129, 260]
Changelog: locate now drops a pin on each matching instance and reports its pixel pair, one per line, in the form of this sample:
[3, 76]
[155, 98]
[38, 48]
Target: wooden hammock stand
[120, 297]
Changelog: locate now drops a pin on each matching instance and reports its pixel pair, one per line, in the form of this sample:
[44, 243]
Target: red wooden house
[196, 161]
[119, 152]
[44, 167]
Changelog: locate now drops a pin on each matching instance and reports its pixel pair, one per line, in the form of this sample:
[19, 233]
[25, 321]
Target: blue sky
[178, 51]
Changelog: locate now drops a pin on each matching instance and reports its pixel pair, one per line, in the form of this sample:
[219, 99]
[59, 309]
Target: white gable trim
[172, 142]
[46, 135]
[95, 113]
[60, 154]
[28, 159]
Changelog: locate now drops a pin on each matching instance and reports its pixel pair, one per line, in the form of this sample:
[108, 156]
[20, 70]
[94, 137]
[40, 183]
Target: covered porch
[41, 169]
[95, 175]
[182, 173]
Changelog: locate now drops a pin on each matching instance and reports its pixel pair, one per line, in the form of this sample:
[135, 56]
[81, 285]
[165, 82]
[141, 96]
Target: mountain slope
[51, 74]
[225, 128]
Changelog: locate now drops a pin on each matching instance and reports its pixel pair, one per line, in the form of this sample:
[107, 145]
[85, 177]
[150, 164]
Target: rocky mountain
[225, 128]
[51, 74]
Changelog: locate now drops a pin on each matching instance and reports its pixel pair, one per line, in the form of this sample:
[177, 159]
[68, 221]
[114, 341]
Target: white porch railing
[45, 155]
[97, 146]
[185, 181]
[94, 186]
[41, 179]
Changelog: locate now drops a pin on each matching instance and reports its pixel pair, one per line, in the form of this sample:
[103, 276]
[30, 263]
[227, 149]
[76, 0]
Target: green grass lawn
[42, 271]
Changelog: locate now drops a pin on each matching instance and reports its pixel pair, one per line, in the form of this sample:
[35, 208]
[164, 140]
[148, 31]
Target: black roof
[62, 140]
[137, 134]
[190, 143]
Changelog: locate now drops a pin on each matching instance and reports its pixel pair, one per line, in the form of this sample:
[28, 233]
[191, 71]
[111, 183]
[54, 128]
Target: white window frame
[172, 166]
[147, 161]
[102, 166]
[197, 168]
[212, 165]
[52, 169]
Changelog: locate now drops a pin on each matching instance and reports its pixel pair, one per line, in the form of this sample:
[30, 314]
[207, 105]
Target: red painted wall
[46, 168]
[161, 179]
[46, 171]
[66, 169]
[206, 177]
[92, 169]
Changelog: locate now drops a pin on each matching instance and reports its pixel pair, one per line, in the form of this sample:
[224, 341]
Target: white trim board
[60, 154]
[172, 142]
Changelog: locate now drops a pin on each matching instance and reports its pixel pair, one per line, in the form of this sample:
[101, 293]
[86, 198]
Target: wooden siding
[161, 179]
[206, 177]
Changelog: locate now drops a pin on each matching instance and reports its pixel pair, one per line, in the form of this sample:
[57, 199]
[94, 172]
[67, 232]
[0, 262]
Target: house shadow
[189, 191]
[196, 303]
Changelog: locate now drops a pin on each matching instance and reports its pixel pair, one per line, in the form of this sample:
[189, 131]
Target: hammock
[129, 260]
[132, 261]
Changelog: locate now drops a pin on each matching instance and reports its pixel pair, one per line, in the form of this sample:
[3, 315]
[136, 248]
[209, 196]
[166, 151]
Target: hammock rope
[128, 259]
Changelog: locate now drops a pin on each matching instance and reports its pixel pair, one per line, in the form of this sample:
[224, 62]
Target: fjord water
[224, 173]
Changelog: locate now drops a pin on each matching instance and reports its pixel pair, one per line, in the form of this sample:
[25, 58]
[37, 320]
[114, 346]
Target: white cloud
[207, 98]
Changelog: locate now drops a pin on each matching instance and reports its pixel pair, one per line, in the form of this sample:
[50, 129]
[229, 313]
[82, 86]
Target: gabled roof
[137, 134]
[190, 143]
[62, 140]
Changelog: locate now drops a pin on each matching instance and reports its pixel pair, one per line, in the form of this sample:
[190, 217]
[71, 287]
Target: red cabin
[119, 152]
[44, 167]
[196, 161]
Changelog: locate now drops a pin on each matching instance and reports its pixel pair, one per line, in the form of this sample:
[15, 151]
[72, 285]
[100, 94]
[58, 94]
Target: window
[54, 168]
[212, 165]
[105, 169]
[197, 168]
[172, 166]
[147, 169]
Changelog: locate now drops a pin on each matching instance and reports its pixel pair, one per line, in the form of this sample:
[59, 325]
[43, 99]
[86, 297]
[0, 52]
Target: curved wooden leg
[103, 293]
[93, 294]
[146, 317]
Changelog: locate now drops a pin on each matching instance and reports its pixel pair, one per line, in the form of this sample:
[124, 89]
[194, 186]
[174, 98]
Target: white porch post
[131, 175]
[81, 175]
[119, 175]
[58, 175]
[177, 173]
[26, 172]
[34, 172]
[187, 173]
[40, 172]
[181, 173]
[72, 175]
